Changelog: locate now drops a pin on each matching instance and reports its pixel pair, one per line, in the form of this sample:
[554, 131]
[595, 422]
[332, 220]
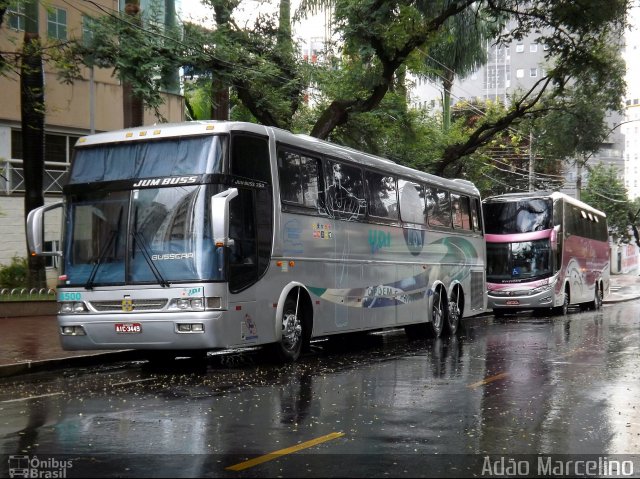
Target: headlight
[183, 304]
[78, 307]
[540, 289]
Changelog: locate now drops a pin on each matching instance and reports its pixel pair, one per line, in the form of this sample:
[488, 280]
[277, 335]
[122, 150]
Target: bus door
[250, 232]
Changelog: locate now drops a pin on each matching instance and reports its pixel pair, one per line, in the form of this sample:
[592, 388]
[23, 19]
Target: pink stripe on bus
[516, 237]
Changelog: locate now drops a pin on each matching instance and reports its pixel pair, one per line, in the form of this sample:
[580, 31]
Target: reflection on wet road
[380, 403]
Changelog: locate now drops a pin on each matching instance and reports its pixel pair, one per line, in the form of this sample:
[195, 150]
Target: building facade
[511, 69]
[92, 104]
[631, 126]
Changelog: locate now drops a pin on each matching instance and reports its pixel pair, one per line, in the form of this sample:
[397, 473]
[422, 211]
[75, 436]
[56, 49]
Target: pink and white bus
[545, 251]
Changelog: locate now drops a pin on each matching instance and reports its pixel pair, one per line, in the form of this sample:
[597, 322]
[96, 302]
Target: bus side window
[438, 207]
[460, 206]
[411, 202]
[383, 199]
[250, 157]
[344, 195]
[475, 214]
[299, 178]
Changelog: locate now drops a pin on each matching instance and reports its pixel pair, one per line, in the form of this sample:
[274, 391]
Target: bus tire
[564, 309]
[438, 314]
[294, 330]
[455, 311]
[596, 304]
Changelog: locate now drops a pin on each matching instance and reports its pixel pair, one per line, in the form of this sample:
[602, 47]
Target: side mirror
[220, 216]
[35, 230]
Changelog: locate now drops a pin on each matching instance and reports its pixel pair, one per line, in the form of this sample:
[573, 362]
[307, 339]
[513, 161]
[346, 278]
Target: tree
[606, 192]
[32, 113]
[380, 39]
[460, 49]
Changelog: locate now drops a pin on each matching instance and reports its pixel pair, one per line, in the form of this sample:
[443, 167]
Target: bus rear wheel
[456, 308]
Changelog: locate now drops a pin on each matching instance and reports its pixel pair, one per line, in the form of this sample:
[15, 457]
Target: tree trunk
[447, 84]
[132, 105]
[32, 111]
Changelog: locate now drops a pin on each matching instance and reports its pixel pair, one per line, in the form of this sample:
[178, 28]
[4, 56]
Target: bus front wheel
[294, 331]
[597, 300]
[564, 309]
[438, 314]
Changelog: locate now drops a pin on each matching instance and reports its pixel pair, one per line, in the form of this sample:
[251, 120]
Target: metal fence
[12, 176]
[15, 294]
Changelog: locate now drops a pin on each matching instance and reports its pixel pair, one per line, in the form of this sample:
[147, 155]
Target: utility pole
[531, 163]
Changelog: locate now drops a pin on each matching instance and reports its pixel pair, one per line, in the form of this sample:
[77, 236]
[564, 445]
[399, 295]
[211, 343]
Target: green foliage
[606, 192]
[15, 274]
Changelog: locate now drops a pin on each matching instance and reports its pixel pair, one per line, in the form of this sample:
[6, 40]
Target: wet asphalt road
[376, 405]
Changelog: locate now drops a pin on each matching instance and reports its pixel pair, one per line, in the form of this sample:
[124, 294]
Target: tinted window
[411, 202]
[523, 216]
[461, 211]
[475, 214]
[438, 207]
[299, 178]
[345, 192]
[250, 157]
[148, 159]
[383, 200]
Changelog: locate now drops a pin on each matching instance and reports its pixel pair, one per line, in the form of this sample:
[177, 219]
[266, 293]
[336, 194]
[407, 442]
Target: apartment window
[533, 72]
[520, 73]
[519, 48]
[16, 16]
[57, 23]
[87, 29]
[57, 147]
[533, 47]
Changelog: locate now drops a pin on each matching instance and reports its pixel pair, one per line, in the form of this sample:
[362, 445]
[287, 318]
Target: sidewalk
[31, 344]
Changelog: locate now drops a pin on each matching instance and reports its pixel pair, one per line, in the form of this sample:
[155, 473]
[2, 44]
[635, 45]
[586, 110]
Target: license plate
[128, 328]
[512, 302]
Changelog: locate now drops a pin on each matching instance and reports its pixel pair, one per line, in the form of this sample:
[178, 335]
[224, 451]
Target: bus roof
[553, 195]
[306, 142]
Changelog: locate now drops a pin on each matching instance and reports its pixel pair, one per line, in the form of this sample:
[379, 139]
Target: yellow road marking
[283, 452]
[488, 380]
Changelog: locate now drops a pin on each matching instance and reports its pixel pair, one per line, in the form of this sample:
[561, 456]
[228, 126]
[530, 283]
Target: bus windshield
[154, 235]
[523, 260]
[134, 160]
[524, 216]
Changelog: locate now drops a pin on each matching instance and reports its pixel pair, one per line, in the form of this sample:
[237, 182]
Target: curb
[15, 369]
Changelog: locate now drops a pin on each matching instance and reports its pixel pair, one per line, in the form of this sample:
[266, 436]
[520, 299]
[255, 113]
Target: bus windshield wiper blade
[147, 257]
[89, 284]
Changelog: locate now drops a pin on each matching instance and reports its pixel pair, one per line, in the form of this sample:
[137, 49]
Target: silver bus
[206, 235]
[545, 251]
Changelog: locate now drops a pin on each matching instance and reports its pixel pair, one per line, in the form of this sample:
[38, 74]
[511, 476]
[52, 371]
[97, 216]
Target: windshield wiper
[89, 284]
[112, 236]
[147, 257]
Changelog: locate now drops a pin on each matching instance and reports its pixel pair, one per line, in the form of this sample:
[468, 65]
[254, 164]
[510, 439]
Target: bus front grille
[136, 304]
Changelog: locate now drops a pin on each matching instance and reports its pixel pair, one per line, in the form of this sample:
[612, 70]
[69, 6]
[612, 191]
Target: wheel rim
[437, 313]
[291, 331]
[454, 314]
